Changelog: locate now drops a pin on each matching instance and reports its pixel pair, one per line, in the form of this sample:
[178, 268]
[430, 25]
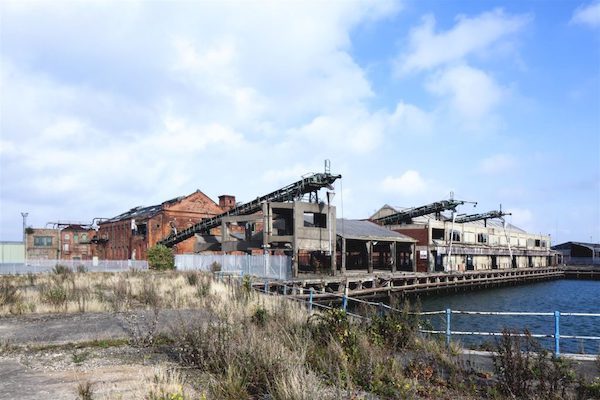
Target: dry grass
[103, 292]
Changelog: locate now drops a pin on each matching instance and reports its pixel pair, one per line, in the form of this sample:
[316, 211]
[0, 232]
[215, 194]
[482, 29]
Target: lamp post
[24, 215]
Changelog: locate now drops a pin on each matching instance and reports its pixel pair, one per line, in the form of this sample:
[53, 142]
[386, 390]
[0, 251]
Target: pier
[323, 288]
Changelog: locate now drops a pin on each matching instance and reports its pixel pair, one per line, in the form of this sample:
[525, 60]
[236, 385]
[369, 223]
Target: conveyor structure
[307, 185]
[405, 216]
[478, 217]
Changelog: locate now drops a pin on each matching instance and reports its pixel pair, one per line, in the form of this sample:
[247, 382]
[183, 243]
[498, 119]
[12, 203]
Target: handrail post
[266, 287]
[380, 310]
[345, 299]
[557, 333]
[310, 300]
[448, 331]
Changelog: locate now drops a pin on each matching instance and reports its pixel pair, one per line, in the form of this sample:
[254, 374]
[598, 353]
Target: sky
[105, 106]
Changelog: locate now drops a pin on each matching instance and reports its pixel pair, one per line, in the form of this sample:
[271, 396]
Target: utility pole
[24, 215]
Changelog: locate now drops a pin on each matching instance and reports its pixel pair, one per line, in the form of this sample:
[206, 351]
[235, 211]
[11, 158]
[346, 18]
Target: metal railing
[382, 308]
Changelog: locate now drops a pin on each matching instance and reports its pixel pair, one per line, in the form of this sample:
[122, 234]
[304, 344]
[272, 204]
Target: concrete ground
[39, 359]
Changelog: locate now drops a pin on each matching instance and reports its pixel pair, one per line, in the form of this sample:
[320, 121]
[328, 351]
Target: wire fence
[261, 266]
[379, 308]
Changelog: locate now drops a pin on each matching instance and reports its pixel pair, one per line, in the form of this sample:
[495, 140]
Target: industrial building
[129, 235]
[578, 253]
[466, 242]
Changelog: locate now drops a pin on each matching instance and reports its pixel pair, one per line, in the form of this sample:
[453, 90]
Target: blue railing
[448, 332]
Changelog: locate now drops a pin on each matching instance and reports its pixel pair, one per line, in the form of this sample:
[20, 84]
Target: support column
[370, 256]
[413, 248]
[343, 266]
[394, 257]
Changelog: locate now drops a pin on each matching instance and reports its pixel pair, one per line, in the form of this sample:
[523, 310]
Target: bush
[161, 258]
[56, 296]
[60, 269]
[528, 371]
[9, 294]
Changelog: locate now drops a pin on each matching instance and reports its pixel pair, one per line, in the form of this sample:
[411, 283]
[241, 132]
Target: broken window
[482, 238]
[315, 220]
[455, 236]
[437, 234]
[537, 243]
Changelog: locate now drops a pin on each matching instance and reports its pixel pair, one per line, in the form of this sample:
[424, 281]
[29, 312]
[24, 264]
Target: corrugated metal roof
[361, 229]
[567, 245]
[136, 212]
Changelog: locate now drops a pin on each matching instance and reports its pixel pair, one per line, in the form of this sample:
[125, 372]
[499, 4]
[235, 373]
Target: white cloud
[157, 109]
[471, 92]
[409, 183]
[587, 15]
[521, 217]
[429, 49]
[497, 164]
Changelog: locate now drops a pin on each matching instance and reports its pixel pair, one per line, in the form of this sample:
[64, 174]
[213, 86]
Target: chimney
[226, 202]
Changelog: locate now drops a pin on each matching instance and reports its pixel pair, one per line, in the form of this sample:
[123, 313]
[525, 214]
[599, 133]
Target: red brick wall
[421, 234]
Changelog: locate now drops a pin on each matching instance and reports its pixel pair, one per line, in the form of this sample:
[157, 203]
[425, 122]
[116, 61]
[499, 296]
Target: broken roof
[367, 230]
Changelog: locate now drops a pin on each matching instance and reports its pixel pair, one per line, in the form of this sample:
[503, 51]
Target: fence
[41, 266]
[382, 308]
[261, 266]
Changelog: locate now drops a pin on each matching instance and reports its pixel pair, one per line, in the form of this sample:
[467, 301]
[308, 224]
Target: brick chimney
[226, 202]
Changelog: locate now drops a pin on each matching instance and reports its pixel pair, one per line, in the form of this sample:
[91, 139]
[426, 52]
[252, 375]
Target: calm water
[560, 295]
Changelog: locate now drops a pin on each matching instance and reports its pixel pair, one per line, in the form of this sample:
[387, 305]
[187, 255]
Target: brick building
[42, 244]
[130, 234]
[75, 243]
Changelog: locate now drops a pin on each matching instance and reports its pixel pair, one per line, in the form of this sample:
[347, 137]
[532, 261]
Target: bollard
[344, 302]
[310, 300]
[557, 333]
[380, 310]
[448, 317]
[266, 287]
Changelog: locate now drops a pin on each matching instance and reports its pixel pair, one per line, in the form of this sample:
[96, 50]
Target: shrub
[160, 258]
[260, 316]
[85, 391]
[525, 370]
[55, 295]
[215, 267]
[397, 330]
[191, 278]
[81, 269]
[9, 294]
[60, 269]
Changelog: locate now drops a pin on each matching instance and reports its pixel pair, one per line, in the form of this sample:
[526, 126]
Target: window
[67, 236]
[45, 241]
[316, 220]
[537, 242]
[75, 238]
[543, 244]
[84, 237]
[455, 236]
[66, 247]
[482, 238]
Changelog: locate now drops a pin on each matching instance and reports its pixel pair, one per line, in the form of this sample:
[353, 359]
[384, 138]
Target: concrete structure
[446, 246]
[130, 234]
[579, 253]
[42, 244]
[12, 252]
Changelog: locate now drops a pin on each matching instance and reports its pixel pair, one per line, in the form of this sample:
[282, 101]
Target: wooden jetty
[582, 271]
[385, 283]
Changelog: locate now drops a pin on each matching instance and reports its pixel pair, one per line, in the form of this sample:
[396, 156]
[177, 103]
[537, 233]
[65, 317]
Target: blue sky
[110, 105]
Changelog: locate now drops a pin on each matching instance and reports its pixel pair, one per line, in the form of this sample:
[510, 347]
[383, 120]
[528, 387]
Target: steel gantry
[307, 185]
[408, 214]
